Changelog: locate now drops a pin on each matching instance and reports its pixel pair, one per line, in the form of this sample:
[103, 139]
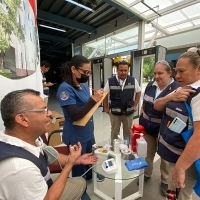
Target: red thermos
[135, 134]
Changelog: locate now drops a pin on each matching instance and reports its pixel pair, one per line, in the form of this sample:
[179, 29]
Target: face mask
[83, 78]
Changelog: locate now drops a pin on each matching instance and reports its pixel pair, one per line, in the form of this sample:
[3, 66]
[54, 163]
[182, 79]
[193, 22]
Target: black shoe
[163, 189]
[145, 179]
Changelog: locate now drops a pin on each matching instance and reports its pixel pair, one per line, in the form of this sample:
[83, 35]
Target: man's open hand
[87, 159]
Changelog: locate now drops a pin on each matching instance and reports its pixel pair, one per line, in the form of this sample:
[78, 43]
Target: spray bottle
[141, 146]
[135, 134]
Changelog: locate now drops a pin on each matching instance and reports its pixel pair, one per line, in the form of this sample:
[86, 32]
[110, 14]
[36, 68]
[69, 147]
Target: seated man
[24, 159]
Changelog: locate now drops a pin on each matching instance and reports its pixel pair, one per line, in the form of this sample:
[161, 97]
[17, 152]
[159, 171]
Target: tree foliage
[9, 11]
[87, 50]
[148, 67]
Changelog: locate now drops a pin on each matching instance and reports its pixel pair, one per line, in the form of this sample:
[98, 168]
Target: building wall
[26, 55]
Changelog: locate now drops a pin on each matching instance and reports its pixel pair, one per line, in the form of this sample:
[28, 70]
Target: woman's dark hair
[66, 73]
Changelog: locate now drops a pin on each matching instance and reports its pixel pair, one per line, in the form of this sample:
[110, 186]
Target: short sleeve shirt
[137, 87]
[20, 178]
[195, 102]
[68, 95]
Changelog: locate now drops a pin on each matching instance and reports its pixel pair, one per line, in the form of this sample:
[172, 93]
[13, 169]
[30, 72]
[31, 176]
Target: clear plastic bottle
[116, 146]
[141, 146]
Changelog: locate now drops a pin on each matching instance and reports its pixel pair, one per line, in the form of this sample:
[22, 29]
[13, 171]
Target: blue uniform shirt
[68, 95]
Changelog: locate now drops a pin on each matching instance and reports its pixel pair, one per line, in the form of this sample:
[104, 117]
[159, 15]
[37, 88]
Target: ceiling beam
[46, 47]
[122, 8]
[152, 40]
[134, 3]
[49, 48]
[53, 38]
[160, 28]
[49, 17]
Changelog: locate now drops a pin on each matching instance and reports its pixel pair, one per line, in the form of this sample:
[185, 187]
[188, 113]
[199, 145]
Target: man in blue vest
[24, 158]
[124, 93]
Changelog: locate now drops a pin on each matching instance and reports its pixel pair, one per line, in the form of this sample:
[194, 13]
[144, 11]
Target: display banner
[19, 47]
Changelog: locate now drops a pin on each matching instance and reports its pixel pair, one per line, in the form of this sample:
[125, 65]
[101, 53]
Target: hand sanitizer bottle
[141, 146]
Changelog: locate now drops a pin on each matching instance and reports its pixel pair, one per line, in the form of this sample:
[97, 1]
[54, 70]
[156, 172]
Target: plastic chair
[61, 149]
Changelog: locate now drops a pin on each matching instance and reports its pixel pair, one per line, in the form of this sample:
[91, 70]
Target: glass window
[162, 4]
[173, 28]
[132, 40]
[171, 18]
[153, 4]
[181, 18]
[149, 35]
[196, 22]
[119, 41]
[184, 25]
[192, 11]
[148, 27]
[142, 9]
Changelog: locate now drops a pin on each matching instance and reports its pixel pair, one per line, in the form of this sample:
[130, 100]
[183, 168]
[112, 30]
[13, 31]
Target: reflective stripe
[170, 147]
[129, 87]
[151, 119]
[129, 109]
[190, 124]
[47, 176]
[116, 109]
[148, 98]
[125, 87]
[173, 114]
[115, 88]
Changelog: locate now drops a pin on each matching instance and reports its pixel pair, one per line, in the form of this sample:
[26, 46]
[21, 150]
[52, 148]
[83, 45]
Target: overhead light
[80, 5]
[50, 27]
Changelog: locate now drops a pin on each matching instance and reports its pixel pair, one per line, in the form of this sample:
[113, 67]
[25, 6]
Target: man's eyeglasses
[86, 72]
[194, 49]
[46, 110]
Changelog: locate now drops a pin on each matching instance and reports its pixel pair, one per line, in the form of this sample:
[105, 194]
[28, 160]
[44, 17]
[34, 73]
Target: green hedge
[5, 73]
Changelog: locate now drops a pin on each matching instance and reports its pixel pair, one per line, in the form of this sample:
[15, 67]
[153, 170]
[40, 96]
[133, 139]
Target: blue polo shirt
[68, 95]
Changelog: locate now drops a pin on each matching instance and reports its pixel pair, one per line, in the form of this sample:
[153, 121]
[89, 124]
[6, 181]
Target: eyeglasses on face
[86, 72]
[46, 110]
